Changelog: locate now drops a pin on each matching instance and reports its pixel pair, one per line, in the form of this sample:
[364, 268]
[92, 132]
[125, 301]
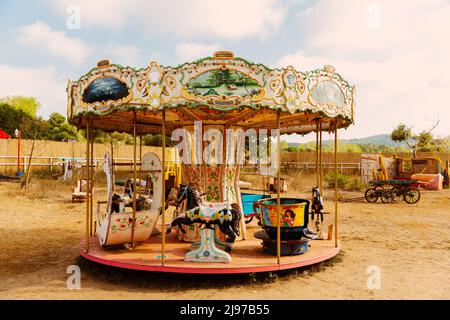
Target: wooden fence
[50, 153]
[350, 157]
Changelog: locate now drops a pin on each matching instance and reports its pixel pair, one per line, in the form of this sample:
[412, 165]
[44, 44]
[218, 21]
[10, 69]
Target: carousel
[221, 112]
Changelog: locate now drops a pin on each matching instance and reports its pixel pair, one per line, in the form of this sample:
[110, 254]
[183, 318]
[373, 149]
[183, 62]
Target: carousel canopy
[218, 90]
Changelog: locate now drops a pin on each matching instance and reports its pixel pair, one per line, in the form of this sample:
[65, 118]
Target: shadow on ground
[173, 282]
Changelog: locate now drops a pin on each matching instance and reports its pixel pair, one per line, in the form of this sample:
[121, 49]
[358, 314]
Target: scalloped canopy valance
[221, 90]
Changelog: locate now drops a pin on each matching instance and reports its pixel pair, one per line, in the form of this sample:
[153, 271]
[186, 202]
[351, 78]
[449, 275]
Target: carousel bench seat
[79, 193]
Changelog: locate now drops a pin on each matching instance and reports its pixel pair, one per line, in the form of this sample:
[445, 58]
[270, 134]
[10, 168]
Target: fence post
[51, 164]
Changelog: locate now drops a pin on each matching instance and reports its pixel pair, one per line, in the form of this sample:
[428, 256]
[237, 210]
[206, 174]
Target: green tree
[284, 145]
[12, 118]
[155, 140]
[424, 141]
[350, 147]
[403, 133]
[225, 77]
[29, 105]
[59, 129]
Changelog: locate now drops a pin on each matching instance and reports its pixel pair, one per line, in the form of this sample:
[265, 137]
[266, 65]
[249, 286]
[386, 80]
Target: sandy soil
[409, 243]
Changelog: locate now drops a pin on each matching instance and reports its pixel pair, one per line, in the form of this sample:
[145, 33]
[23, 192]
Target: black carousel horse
[317, 211]
[227, 219]
[317, 204]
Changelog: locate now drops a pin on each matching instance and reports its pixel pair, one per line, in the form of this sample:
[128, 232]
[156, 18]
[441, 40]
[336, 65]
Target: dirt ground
[410, 244]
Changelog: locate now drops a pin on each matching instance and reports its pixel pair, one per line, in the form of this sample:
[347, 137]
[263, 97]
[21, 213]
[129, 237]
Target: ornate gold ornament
[103, 63]
[223, 55]
[329, 68]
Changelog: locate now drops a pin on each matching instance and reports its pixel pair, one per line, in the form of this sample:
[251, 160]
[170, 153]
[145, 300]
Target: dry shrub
[355, 184]
[41, 189]
[37, 190]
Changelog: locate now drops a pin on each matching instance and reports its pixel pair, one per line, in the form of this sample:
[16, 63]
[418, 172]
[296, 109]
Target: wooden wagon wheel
[411, 195]
[386, 196]
[397, 193]
[371, 195]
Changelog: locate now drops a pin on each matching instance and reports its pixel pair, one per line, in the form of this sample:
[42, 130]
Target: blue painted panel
[104, 89]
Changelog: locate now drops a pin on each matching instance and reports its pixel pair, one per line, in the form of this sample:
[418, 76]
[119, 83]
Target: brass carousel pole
[140, 161]
[278, 193]
[320, 158]
[134, 179]
[269, 164]
[317, 154]
[87, 183]
[92, 173]
[335, 186]
[163, 200]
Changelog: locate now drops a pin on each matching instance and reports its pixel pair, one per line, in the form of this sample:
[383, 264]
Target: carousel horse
[317, 210]
[227, 219]
[119, 202]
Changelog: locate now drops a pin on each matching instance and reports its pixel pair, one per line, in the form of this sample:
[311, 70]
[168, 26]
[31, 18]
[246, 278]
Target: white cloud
[399, 69]
[122, 54]
[231, 19]
[190, 51]
[57, 43]
[42, 83]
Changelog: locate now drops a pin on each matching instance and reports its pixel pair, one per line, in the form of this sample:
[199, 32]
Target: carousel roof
[218, 90]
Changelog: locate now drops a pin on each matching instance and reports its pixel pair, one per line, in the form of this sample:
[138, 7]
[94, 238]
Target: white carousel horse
[114, 228]
[222, 215]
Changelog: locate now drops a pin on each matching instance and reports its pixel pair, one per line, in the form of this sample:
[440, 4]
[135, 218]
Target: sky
[395, 52]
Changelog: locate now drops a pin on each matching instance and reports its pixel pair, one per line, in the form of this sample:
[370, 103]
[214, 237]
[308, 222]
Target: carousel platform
[247, 255]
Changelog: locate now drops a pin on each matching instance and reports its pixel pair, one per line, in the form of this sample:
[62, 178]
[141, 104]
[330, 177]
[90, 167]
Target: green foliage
[355, 184]
[113, 139]
[29, 105]
[347, 147]
[216, 78]
[12, 118]
[424, 141]
[292, 149]
[342, 180]
[352, 148]
[155, 140]
[59, 129]
[402, 133]
[373, 148]
[284, 145]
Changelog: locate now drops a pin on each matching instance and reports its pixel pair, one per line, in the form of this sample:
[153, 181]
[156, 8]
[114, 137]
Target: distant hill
[383, 139]
[379, 139]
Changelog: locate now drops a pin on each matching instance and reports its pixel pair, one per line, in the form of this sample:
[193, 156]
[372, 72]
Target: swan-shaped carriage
[119, 226]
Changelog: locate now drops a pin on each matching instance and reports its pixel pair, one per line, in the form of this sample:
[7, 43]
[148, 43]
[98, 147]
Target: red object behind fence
[4, 135]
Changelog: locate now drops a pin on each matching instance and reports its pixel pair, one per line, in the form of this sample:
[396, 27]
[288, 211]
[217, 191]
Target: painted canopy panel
[223, 83]
[328, 92]
[216, 84]
[104, 89]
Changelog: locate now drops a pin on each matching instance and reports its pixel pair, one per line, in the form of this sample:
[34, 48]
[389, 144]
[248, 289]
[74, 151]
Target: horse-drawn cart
[391, 191]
